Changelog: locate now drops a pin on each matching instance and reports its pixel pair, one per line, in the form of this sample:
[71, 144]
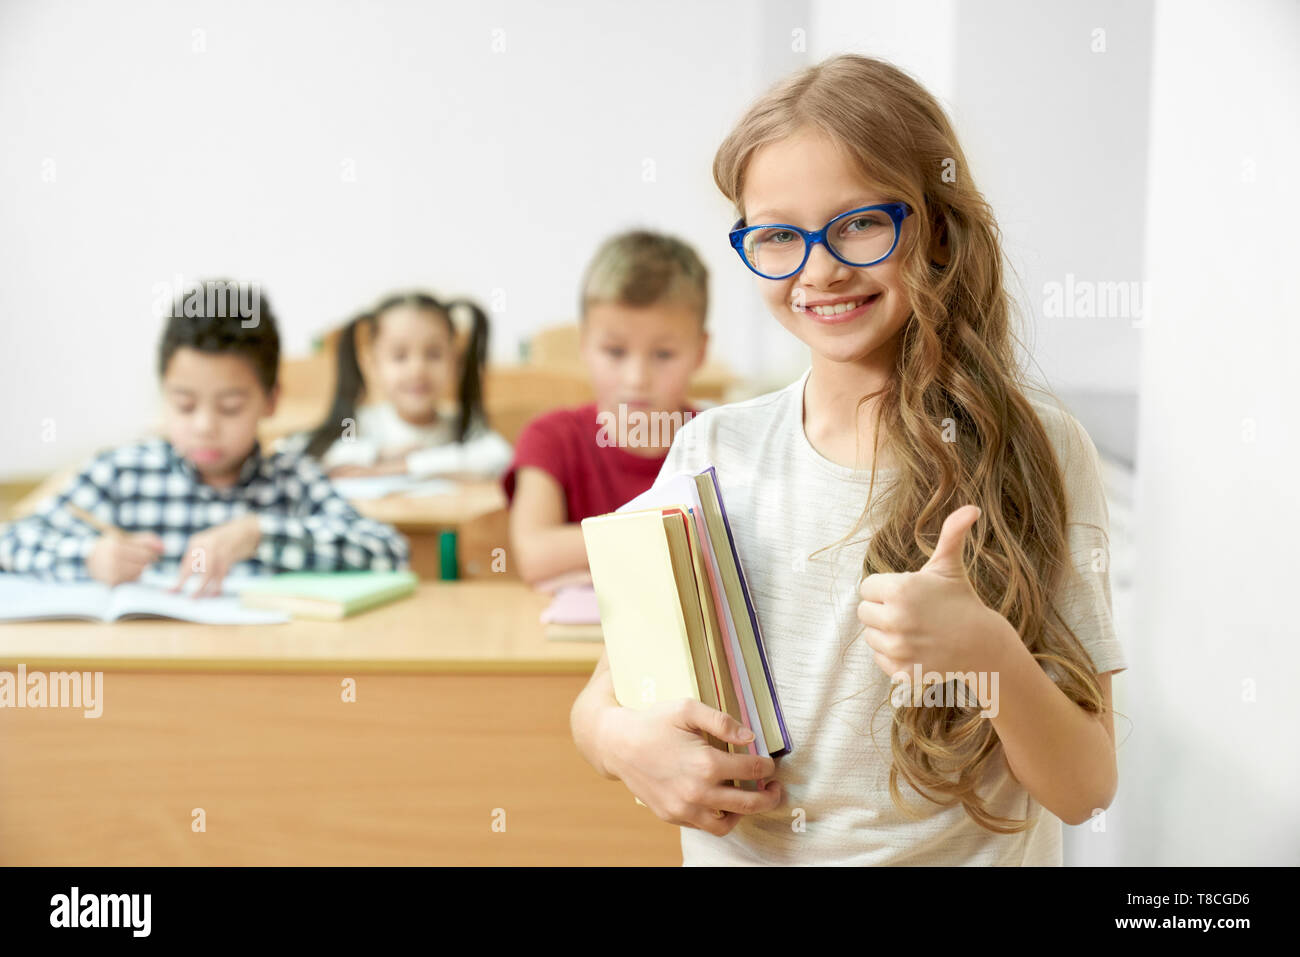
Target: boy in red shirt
[644, 302]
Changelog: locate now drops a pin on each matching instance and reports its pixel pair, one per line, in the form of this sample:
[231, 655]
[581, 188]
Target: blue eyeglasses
[861, 237]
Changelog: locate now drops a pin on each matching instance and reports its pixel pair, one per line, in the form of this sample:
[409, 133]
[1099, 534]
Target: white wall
[1211, 775]
[219, 138]
[336, 151]
[1056, 135]
[1051, 101]
[919, 37]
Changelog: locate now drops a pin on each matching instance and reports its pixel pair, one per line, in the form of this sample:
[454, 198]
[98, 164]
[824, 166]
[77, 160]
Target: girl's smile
[833, 312]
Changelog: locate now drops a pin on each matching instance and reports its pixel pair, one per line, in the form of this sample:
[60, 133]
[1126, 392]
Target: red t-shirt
[596, 479]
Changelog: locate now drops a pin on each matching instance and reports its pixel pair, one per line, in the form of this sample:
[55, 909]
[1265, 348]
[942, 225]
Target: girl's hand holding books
[661, 755]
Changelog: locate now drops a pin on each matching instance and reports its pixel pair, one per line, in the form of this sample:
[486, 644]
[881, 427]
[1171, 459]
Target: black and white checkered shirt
[149, 487]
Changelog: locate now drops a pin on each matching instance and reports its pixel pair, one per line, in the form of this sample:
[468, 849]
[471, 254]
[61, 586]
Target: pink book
[573, 605]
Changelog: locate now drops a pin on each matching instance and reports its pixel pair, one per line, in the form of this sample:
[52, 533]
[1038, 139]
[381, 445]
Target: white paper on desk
[26, 598]
[23, 597]
[164, 578]
[132, 600]
[378, 486]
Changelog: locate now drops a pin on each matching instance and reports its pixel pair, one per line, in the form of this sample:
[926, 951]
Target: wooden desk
[476, 511]
[461, 715]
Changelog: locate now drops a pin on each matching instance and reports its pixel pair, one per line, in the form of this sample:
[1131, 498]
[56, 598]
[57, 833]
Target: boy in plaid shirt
[206, 499]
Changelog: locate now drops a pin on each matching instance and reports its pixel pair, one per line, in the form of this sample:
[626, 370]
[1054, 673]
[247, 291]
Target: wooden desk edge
[398, 666]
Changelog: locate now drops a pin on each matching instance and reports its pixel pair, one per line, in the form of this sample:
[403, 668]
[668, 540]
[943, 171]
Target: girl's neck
[832, 420]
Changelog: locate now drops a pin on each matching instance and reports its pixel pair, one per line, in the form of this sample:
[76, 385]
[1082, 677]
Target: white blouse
[379, 428]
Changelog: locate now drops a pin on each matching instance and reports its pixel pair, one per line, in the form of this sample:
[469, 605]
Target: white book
[363, 487]
[27, 598]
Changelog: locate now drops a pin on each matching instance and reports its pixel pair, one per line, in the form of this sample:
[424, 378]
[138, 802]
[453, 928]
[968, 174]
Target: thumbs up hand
[946, 560]
[933, 617]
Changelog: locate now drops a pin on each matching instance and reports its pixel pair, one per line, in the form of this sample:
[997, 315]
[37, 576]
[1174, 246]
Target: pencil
[101, 526]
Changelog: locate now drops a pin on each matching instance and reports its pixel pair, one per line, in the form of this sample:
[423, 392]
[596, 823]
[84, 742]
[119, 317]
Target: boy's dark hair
[224, 316]
[349, 384]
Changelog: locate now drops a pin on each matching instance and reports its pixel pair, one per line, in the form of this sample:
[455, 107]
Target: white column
[1209, 765]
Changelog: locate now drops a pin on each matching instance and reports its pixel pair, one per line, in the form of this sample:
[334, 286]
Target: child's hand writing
[121, 558]
[933, 617]
[662, 757]
[210, 553]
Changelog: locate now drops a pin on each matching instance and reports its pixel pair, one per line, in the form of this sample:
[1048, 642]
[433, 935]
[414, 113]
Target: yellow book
[651, 615]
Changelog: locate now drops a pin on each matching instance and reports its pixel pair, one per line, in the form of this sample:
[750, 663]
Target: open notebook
[26, 598]
[675, 610]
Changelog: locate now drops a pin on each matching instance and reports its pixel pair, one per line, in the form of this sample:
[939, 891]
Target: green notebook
[329, 595]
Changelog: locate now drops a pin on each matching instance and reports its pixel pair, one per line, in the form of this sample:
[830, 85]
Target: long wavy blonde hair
[956, 361]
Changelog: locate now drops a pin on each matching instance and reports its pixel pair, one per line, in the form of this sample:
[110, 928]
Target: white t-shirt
[785, 501]
[380, 427]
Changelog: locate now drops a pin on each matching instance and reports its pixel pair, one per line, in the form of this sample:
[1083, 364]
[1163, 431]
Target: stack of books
[676, 612]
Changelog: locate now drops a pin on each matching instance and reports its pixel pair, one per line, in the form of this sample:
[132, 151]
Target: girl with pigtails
[412, 429]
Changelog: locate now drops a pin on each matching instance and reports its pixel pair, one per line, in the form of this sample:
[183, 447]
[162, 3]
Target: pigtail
[348, 386]
[473, 365]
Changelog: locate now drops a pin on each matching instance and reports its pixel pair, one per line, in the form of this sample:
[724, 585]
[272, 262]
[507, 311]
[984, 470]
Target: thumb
[701, 717]
[946, 559]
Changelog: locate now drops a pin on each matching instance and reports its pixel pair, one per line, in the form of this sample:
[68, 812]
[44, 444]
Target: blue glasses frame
[897, 212]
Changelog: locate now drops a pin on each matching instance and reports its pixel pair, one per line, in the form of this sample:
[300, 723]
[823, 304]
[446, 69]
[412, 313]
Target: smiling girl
[904, 503]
